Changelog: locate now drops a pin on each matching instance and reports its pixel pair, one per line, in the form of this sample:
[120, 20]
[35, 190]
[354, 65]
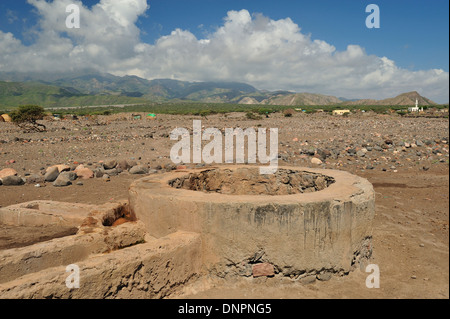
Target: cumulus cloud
[269, 54]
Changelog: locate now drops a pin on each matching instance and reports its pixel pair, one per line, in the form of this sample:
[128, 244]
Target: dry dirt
[411, 226]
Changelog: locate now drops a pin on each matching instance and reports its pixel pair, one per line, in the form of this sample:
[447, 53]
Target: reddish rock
[7, 172]
[84, 173]
[263, 270]
[181, 167]
[61, 168]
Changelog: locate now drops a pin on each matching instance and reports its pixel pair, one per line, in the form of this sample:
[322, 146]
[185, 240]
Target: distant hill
[303, 99]
[402, 99]
[13, 94]
[85, 87]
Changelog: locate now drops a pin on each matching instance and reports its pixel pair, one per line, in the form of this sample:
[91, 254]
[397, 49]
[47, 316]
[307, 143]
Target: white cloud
[270, 54]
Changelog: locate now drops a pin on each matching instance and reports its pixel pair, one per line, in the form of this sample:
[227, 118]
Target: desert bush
[252, 116]
[26, 117]
[288, 113]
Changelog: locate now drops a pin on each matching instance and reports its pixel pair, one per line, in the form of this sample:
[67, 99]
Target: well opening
[248, 181]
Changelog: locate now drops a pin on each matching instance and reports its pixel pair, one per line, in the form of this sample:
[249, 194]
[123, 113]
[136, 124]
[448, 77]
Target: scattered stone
[106, 178]
[361, 153]
[139, 169]
[308, 279]
[62, 181]
[169, 167]
[324, 276]
[34, 179]
[263, 270]
[131, 163]
[60, 167]
[7, 172]
[123, 165]
[316, 161]
[84, 173]
[12, 180]
[378, 148]
[70, 175]
[80, 183]
[111, 172]
[99, 172]
[52, 174]
[109, 164]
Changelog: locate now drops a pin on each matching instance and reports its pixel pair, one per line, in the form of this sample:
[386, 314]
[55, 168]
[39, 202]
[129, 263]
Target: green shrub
[27, 116]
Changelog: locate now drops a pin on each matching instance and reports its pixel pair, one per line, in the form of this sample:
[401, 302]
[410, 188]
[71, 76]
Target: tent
[6, 118]
[151, 116]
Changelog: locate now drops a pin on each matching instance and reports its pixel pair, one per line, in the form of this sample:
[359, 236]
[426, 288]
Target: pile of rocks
[64, 175]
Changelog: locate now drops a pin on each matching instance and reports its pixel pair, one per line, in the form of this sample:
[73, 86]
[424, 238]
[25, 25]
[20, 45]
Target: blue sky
[414, 34]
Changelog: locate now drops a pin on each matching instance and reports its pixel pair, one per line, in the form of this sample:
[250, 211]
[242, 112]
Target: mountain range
[93, 88]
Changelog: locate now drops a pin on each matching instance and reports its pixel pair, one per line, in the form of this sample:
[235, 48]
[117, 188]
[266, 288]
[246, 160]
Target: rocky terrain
[406, 159]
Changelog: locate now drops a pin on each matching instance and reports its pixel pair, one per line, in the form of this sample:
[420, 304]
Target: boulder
[8, 172]
[60, 167]
[84, 173]
[109, 164]
[52, 174]
[111, 172]
[70, 175]
[62, 180]
[12, 180]
[131, 163]
[316, 161]
[139, 169]
[35, 179]
[123, 165]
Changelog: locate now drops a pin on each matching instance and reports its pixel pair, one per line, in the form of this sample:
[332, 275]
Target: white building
[415, 108]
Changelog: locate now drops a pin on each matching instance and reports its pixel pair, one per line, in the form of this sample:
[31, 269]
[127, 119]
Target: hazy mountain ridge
[408, 98]
[55, 89]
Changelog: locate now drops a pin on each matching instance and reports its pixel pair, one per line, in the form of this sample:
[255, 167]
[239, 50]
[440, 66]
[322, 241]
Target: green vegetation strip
[205, 109]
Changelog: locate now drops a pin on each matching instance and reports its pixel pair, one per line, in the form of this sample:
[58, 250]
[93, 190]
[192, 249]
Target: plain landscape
[405, 158]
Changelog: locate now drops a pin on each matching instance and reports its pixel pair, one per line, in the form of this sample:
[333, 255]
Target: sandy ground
[411, 226]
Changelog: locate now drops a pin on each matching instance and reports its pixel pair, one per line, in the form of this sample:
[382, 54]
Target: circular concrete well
[300, 220]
